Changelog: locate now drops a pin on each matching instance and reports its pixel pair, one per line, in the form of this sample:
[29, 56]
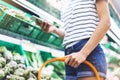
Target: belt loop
[72, 47]
[69, 48]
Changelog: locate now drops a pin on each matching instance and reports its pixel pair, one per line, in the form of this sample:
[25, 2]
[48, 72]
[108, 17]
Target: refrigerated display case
[18, 28]
[23, 25]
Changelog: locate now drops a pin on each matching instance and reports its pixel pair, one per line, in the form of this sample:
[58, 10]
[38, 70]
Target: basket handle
[63, 59]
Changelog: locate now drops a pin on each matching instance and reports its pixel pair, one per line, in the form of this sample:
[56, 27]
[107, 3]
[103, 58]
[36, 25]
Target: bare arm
[47, 27]
[102, 28]
[75, 59]
[59, 32]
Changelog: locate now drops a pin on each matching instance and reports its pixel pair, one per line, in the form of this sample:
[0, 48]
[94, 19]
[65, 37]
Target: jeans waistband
[77, 44]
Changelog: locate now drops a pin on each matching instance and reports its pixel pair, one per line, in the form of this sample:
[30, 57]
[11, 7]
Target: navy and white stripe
[80, 20]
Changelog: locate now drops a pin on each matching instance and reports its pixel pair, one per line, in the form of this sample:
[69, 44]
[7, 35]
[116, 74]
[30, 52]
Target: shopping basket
[63, 59]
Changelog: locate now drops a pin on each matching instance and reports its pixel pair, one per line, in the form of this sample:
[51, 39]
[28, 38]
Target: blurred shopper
[85, 24]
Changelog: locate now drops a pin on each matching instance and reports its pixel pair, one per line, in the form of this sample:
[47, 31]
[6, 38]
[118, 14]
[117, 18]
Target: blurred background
[24, 47]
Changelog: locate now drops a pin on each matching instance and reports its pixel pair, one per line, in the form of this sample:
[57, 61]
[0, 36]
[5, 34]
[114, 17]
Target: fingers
[72, 61]
[67, 59]
[44, 25]
[37, 22]
[76, 64]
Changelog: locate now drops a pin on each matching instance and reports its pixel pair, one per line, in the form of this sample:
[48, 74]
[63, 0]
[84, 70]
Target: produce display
[33, 59]
[17, 13]
[53, 71]
[13, 66]
[17, 23]
[21, 15]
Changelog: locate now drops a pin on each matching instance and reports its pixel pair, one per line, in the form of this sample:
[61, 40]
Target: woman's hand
[46, 26]
[75, 59]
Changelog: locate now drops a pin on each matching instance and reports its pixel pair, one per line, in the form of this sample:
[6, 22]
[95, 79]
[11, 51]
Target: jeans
[96, 57]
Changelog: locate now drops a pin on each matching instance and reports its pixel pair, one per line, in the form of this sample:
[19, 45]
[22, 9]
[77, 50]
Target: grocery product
[12, 66]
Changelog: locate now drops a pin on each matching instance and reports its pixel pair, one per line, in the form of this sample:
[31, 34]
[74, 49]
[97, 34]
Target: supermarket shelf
[115, 5]
[27, 5]
[38, 11]
[115, 29]
[114, 32]
[11, 3]
[113, 37]
[55, 52]
[18, 28]
[9, 39]
[20, 37]
[26, 30]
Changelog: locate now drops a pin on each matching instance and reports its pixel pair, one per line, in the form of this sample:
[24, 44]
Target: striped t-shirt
[80, 20]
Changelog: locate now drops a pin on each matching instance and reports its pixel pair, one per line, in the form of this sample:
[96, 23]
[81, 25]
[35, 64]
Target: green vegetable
[0, 55]
[8, 70]
[0, 66]
[28, 56]
[26, 73]
[8, 56]
[35, 72]
[39, 60]
[10, 67]
[45, 77]
[2, 49]
[17, 58]
[31, 75]
[31, 79]
[2, 62]
[19, 72]
[21, 66]
[2, 74]
[34, 60]
[15, 77]
[12, 64]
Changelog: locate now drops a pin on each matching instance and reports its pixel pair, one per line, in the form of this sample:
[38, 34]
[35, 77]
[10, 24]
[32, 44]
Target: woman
[85, 24]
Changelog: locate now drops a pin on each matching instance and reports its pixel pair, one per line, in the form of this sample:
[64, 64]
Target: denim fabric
[96, 57]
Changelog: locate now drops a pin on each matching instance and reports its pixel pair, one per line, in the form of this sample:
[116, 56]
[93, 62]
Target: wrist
[85, 54]
[54, 29]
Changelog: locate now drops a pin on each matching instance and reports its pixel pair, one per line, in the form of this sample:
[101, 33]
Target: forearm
[59, 32]
[96, 37]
